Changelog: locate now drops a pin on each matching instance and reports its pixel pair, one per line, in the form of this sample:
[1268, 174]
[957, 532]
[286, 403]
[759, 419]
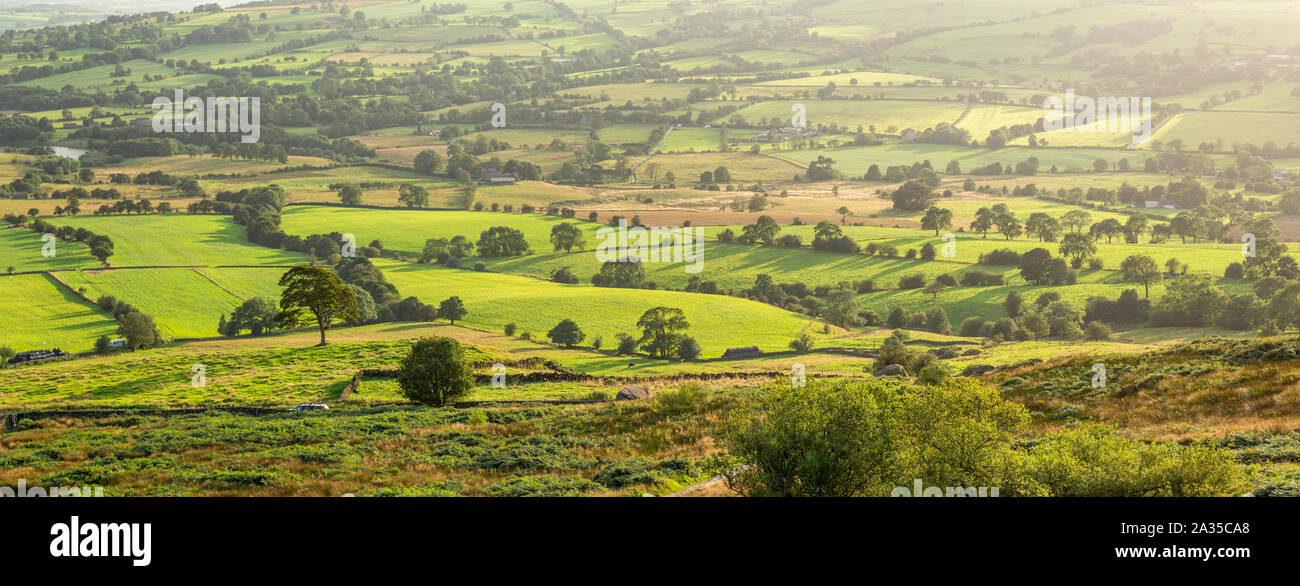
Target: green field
[889, 117]
[855, 160]
[1194, 128]
[22, 250]
[407, 230]
[184, 303]
[494, 300]
[39, 314]
[179, 240]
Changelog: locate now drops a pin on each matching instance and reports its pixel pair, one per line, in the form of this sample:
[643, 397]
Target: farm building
[491, 176]
[741, 352]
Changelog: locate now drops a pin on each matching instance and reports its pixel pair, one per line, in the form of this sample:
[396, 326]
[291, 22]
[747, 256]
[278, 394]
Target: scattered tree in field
[1014, 304]
[842, 308]
[662, 330]
[983, 221]
[413, 196]
[257, 315]
[367, 311]
[139, 330]
[619, 274]
[452, 309]
[688, 349]
[350, 195]
[502, 241]
[1042, 225]
[1142, 269]
[566, 332]
[428, 162]
[436, 372]
[101, 247]
[566, 237]
[1076, 220]
[913, 195]
[937, 219]
[1077, 247]
[933, 289]
[316, 291]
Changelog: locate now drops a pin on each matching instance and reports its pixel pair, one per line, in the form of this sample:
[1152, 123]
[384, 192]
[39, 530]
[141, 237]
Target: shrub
[1000, 256]
[933, 374]
[626, 344]
[435, 372]
[510, 329]
[915, 281]
[1096, 330]
[1093, 460]
[688, 349]
[971, 326]
[980, 278]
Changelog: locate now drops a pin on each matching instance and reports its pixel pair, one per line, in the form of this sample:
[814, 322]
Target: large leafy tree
[619, 274]
[256, 315]
[662, 330]
[1142, 269]
[1194, 300]
[413, 196]
[1043, 226]
[1077, 247]
[350, 195]
[452, 309]
[937, 219]
[1110, 228]
[764, 230]
[1076, 220]
[138, 329]
[983, 221]
[436, 372]
[502, 241]
[566, 237]
[913, 195]
[318, 292]
[1034, 266]
[427, 162]
[566, 332]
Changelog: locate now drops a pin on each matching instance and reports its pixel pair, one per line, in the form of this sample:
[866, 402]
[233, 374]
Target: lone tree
[661, 330]
[139, 330]
[452, 309]
[315, 290]
[566, 332]
[1143, 269]
[1077, 247]
[566, 237]
[101, 247]
[436, 372]
[937, 218]
[350, 195]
